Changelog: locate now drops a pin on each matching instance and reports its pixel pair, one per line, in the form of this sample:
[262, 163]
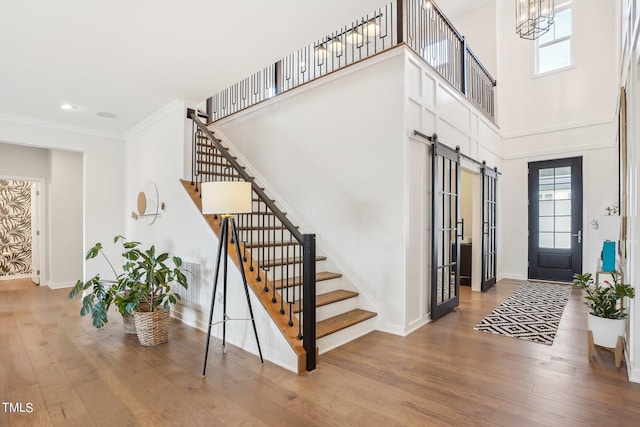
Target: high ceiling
[132, 57]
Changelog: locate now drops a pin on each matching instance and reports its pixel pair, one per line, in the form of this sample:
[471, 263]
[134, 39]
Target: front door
[555, 219]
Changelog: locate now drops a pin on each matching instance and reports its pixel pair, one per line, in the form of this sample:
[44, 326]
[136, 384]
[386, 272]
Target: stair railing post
[463, 61]
[309, 300]
[402, 20]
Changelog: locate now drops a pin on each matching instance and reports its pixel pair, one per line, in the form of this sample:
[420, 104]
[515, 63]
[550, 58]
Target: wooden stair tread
[279, 261]
[214, 163]
[342, 321]
[295, 281]
[258, 228]
[252, 245]
[328, 298]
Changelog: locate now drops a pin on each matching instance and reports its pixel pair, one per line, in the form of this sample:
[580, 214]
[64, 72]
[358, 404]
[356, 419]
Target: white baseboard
[633, 373]
[15, 277]
[59, 285]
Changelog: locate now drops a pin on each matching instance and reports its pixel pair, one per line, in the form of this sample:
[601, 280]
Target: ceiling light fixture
[321, 52]
[336, 45]
[68, 107]
[533, 18]
[371, 28]
[354, 37]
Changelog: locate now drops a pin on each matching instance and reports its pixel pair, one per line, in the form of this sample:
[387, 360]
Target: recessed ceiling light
[106, 115]
[68, 107]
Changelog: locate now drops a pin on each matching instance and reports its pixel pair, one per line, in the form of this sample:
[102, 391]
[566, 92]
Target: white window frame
[536, 72]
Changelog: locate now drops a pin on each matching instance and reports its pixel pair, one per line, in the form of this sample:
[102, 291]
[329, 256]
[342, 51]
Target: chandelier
[533, 18]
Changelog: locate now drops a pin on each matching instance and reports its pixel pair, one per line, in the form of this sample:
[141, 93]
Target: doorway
[19, 230]
[478, 247]
[555, 219]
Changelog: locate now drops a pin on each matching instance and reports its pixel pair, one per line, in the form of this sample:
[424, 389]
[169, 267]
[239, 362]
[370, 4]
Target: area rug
[532, 313]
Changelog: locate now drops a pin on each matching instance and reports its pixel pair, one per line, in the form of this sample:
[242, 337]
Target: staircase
[280, 262]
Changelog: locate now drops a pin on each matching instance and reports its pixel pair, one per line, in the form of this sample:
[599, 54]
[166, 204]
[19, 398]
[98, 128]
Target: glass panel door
[489, 227]
[445, 249]
[555, 219]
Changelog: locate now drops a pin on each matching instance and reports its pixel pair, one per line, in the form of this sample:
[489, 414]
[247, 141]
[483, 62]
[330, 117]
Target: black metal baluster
[293, 289]
[251, 231]
[299, 287]
[282, 272]
[259, 250]
[273, 255]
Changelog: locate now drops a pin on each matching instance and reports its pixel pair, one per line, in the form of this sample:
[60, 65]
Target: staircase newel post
[309, 299]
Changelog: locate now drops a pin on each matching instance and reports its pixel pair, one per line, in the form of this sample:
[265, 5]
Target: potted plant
[99, 293]
[144, 286]
[148, 279]
[606, 320]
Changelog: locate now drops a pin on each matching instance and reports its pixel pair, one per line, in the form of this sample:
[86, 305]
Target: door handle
[578, 235]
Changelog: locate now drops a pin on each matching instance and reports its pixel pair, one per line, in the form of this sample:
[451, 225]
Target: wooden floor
[445, 374]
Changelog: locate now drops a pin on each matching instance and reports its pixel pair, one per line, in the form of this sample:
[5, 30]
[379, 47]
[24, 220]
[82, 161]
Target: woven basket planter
[152, 327]
[129, 324]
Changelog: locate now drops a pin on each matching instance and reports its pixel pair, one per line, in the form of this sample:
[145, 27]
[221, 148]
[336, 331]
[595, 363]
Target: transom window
[553, 49]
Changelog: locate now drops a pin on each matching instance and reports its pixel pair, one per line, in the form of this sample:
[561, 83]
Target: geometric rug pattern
[532, 313]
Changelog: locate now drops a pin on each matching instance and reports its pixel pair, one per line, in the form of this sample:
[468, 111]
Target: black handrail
[278, 213]
[260, 237]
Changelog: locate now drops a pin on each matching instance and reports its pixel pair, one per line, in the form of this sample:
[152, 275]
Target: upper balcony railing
[417, 23]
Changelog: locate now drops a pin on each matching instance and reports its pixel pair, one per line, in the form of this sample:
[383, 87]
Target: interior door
[489, 227]
[445, 245]
[555, 219]
[35, 232]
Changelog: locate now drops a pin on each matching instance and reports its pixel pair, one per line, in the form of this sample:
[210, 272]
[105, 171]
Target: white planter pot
[606, 331]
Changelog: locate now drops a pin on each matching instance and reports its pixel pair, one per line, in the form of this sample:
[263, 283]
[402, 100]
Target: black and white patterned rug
[531, 313]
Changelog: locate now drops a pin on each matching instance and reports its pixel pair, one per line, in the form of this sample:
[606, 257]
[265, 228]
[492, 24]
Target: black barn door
[555, 219]
[445, 245]
[489, 228]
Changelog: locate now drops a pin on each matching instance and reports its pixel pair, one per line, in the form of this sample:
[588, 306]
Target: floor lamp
[227, 198]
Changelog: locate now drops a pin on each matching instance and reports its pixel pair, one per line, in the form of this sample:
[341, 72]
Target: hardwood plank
[444, 374]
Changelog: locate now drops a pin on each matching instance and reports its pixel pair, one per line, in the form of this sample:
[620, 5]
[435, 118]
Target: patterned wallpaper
[15, 227]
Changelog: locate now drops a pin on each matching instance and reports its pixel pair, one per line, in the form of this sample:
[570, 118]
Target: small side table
[617, 351]
[619, 348]
[600, 271]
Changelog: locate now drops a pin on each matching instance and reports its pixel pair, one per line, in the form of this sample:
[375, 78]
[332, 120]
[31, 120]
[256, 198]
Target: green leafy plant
[605, 300]
[148, 278]
[144, 283]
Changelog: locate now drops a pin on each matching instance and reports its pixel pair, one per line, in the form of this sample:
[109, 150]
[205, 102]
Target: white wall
[25, 162]
[432, 106]
[155, 152]
[477, 23]
[64, 200]
[600, 183]
[367, 194]
[582, 95]
[564, 114]
[333, 151]
[103, 180]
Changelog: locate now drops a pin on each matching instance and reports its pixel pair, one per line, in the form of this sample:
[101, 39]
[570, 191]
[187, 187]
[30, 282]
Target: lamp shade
[226, 197]
[609, 227]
